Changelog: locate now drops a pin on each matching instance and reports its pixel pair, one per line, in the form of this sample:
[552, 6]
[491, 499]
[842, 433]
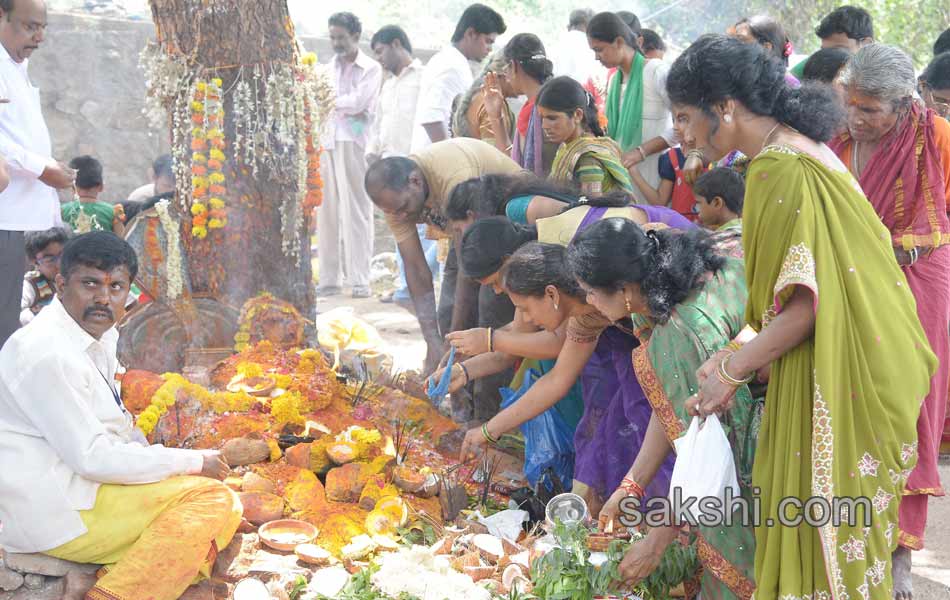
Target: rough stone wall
[93, 92]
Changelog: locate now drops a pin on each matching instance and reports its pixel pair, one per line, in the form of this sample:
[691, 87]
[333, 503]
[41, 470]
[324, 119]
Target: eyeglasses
[940, 107]
[48, 260]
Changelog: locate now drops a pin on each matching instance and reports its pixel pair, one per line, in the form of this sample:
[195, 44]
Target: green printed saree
[666, 367]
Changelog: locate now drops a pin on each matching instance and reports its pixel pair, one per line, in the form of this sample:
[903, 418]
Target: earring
[626, 301]
[727, 118]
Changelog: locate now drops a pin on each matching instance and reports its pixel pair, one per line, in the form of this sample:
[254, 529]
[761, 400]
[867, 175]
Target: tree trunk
[240, 41]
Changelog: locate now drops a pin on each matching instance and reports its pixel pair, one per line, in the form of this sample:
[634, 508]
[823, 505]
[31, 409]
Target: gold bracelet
[490, 344]
[733, 346]
[728, 379]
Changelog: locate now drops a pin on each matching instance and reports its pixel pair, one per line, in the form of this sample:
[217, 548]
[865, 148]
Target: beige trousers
[345, 219]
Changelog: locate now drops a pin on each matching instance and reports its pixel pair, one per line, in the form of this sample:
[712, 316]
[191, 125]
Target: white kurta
[62, 434]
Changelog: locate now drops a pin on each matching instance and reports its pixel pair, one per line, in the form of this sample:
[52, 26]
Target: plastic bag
[437, 391]
[704, 465]
[548, 440]
[352, 340]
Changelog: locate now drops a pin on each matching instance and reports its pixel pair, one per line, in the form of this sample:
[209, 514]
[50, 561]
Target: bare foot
[903, 584]
[77, 584]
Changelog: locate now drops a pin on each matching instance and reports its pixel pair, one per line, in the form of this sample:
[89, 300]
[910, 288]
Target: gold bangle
[733, 346]
[728, 379]
[490, 344]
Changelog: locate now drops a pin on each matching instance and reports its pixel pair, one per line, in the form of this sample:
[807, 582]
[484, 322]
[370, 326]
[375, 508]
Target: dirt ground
[400, 332]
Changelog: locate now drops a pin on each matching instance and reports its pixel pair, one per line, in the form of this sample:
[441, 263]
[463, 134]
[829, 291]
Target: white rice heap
[415, 571]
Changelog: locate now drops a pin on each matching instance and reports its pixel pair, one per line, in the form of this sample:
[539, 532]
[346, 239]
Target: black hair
[579, 18]
[724, 183]
[164, 167]
[134, 208]
[391, 173]
[389, 33]
[824, 65]
[614, 199]
[937, 73]
[668, 265]
[853, 21]
[706, 74]
[607, 26]
[7, 7]
[101, 250]
[535, 266]
[88, 172]
[767, 30]
[632, 21]
[564, 94]
[527, 50]
[346, 20]
[943, 43]
[37, 241]
[489, 242]
[480, 18]
[488, 195]
[652, 41]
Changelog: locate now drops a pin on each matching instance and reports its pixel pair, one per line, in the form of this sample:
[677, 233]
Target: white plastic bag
[704, 466]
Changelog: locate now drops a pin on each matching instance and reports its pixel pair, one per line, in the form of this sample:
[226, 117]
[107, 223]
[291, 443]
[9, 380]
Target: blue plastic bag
[549, 441]
[437, 391]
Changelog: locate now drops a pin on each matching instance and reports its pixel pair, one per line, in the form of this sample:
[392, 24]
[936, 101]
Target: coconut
[395, 507]
[380, 522]
[489, 547]
[341, 453]
[255, 386]
[252, 482]
[469, 559]
[244, 451]
[510, 547]
[408, 480]
[251, 589]
[384, 542]
[430, 487]
[512, 573]
[313, 554]
[479, 573]
[359, 547]
[522, 558]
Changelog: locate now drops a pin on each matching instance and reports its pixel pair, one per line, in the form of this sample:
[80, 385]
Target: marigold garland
[166, 396]
[207, 159]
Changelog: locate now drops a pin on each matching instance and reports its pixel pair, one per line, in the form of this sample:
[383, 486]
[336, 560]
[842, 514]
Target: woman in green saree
[585, 156]
[687, 301]
[845, 385]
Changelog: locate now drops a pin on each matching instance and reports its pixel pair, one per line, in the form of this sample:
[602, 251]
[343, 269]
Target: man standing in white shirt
[79, 480]
[448, 73]
[573, 56]
[392, 131]
[345, 219]
[29, 202]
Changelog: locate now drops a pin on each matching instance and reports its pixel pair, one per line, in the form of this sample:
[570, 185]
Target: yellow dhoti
[155, 539]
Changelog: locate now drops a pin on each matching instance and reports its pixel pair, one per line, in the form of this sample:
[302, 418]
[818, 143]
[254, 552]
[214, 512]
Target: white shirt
[357, 91]
[62, 433]
[392, 130]
[27, 204]
[446, 75]
[573, 57]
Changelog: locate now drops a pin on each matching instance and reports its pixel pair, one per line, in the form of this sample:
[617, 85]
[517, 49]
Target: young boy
[43, 249]
[87, 213]
[719, 194]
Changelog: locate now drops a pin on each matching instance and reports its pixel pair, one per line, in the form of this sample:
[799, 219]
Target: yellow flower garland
[166, 396]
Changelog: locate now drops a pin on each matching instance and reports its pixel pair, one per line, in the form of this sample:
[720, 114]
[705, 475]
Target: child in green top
[87, 213]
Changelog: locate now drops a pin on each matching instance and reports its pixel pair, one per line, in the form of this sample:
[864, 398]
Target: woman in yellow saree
[845, 385]
[585, 156]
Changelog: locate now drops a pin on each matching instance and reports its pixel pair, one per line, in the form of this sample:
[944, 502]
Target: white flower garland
[173, 275]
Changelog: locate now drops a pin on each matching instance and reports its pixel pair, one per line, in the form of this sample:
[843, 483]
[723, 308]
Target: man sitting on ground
[79, 481]
[43, 249]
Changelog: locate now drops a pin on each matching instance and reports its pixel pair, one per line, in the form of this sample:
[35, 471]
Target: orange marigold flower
[199, 170]
[215, 165]
[198, 144]
[218, 190]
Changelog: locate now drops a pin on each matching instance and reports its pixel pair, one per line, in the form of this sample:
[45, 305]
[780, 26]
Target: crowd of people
[643, 242]
[626, 243]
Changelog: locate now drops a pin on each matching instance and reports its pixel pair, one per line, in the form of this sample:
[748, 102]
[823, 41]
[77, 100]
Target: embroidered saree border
[724, 571]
